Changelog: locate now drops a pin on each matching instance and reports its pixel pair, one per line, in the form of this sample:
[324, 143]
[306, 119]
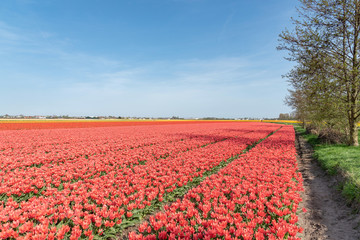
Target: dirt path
[327, 215]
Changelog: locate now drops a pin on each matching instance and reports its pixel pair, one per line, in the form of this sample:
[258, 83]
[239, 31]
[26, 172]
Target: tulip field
[199, 180]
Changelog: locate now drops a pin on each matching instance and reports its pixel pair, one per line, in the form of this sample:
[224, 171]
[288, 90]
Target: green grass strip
[337, 159]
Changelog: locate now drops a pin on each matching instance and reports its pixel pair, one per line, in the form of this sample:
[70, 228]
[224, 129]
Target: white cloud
[7, 33]
[71, 82]
[206, 74]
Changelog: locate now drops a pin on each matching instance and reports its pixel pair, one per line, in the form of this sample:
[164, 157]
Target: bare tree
[325, 45]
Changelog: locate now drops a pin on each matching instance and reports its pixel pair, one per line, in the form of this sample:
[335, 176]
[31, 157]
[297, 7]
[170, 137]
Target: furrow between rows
[116, 198]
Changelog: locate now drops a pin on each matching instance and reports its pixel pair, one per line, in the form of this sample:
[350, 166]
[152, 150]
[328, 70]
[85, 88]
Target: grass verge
[340, 160]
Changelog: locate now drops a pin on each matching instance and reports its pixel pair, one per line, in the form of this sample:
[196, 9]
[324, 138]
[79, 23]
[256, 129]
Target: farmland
[189, 180]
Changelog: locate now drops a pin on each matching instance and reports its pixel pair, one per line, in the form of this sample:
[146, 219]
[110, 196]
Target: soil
[328, 216]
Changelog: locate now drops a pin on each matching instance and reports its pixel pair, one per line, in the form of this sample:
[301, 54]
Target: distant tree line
[287, 116]
[325, 82]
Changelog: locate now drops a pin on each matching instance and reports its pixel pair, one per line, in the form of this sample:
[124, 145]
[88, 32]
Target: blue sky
[150, 58]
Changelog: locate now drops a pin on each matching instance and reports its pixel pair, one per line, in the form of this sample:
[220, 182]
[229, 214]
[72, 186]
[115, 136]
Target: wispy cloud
[225, 29]
[205, 73]
[73, 82]
[7, 33]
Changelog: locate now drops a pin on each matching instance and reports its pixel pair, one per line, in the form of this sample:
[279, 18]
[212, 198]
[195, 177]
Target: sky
[144, 58]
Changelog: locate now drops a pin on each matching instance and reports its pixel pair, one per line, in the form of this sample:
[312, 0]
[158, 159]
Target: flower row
[48, 172]
[254, 197]
[88, 196]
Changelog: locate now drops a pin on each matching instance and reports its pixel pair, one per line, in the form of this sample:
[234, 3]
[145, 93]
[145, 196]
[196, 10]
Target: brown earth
[328, 216]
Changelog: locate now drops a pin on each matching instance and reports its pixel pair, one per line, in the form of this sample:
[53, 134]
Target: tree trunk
[354, 98]
[353, 138]
[303, 123]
